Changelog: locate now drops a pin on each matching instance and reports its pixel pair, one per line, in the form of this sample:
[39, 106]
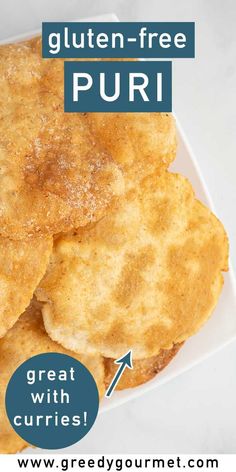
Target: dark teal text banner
[118, 86]
[127, 40]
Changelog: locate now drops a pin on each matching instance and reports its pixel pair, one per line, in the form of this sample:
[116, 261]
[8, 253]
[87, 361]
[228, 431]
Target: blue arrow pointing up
[124, 361]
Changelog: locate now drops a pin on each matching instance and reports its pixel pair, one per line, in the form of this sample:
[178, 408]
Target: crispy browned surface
[11, 443]
[26, 339]
[22, 265]
[53, 174]
[143, 369]
[142, 143]
[145, 277]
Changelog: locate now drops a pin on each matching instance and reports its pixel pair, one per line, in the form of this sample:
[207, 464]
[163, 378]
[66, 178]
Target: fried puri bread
[145, 277]
[26, 339]
[22, 265]
[53, 174]
[143, 369]
[142, 143]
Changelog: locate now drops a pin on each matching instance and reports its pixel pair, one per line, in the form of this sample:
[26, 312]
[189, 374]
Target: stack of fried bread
[102, 249]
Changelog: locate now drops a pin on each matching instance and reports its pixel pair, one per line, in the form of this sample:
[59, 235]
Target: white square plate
[220, 330]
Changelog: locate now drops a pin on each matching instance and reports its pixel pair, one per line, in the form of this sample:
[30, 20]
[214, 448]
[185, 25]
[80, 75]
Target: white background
[196, 412]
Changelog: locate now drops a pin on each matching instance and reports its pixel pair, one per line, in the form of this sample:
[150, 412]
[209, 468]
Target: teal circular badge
[52, 401]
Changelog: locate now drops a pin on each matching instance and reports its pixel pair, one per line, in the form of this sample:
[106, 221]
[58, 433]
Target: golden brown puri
[22, 265]
[142, 143]
[53, 174]
[145, 277]
[143, 369]
[26, 339]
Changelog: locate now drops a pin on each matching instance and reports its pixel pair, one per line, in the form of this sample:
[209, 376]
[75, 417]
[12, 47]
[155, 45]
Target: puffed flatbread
[143, 369]
[54, 176]
[22, 266]
[145, 277]
[26, 339]
[142, 143]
